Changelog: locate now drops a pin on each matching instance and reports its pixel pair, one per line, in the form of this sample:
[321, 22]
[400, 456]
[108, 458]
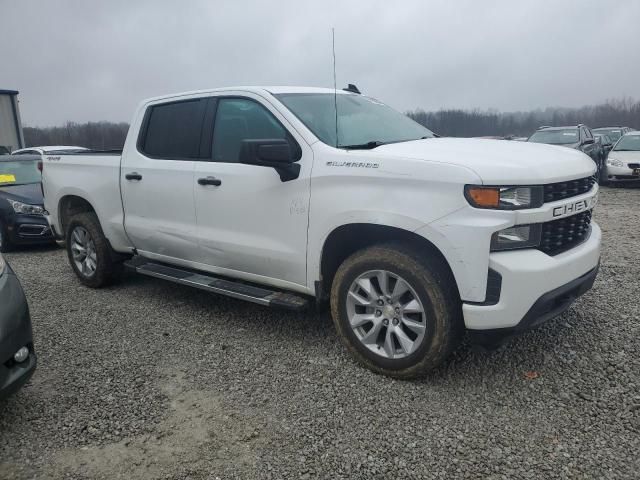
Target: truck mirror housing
[275, 153]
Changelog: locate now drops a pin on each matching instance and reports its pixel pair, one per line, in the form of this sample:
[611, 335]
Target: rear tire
[89, 252]
[399, 335]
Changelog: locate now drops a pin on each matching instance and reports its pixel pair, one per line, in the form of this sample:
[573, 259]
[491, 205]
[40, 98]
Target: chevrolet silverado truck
[279, 195]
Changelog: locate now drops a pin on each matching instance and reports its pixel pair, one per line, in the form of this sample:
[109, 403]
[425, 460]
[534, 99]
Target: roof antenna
[335, 88]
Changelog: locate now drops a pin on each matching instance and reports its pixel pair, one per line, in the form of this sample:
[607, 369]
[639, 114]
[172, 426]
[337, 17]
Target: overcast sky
[96, 60]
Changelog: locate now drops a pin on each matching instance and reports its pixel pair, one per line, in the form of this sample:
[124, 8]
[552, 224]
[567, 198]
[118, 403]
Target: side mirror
[275, 153]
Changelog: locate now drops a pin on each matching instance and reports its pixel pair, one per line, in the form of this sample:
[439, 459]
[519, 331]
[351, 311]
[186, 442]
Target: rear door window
[173, 130]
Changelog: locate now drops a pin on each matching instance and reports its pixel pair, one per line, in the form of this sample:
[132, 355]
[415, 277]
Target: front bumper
[29, 230]
[530, 279]
[15, 332]
[621, 174]
[548, 306]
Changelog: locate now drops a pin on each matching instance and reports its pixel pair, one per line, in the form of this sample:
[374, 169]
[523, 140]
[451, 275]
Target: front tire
[397, 312]
[89, 251]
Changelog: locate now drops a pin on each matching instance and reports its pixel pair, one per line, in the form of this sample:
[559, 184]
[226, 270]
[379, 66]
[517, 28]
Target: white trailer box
[11, 137]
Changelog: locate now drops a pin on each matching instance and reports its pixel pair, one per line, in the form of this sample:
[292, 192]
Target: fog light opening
[21, 355]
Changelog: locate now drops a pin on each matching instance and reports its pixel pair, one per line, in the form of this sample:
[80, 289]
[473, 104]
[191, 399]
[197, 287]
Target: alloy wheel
[386, 314]
[84, 251]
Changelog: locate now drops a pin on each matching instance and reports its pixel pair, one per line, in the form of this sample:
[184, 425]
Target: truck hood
[496, 162]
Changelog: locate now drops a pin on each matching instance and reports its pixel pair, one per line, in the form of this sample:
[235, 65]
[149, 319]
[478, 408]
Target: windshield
[613, 133]
[556, 137]
[628, 143]
[19, 173]
[361, 119]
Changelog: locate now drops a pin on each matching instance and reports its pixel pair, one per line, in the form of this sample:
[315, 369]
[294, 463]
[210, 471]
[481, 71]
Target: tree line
[94, 135]
[454, 123]
[477, 123]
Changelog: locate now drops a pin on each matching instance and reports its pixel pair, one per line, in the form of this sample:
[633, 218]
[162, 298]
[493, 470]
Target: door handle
[133, 176]
[210, 181]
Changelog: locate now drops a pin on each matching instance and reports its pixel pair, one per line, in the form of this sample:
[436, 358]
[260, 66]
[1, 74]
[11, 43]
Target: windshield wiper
[363, 146]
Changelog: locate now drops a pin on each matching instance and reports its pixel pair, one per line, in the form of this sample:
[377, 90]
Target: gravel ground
[152, 380]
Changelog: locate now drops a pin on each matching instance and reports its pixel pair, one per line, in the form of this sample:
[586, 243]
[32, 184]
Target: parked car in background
[623, 162]
[411, 239]
[17, 356]
[48, 150]
[22, 219]
[605, 141]
[614, 133]
[578, 137]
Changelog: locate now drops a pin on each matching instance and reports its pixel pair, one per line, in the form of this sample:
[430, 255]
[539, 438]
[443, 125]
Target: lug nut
[380, 302]
[397, 309]
[378, 313]
[385, 322]
[396, 321]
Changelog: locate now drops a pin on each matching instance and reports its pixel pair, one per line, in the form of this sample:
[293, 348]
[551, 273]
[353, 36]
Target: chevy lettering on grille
[575, 207]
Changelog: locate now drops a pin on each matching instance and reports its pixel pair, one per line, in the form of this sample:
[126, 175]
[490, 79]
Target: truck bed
[95, 174]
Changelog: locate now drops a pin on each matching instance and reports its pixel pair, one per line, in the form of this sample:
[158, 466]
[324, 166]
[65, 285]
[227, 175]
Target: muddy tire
[396, 310]
[89, 252]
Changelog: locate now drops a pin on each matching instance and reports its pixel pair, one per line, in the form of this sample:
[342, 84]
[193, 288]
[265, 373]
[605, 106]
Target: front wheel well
[348, 239]
[69, 206]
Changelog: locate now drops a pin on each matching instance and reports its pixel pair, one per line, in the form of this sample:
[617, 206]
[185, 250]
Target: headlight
[27, 209]
[614, 162]
[520, 236]
[504, 198]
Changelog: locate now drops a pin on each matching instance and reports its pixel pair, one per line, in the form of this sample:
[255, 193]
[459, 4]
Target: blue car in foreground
[17, 356]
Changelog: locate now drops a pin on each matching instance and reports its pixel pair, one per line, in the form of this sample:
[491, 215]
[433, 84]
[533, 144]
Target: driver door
[250, 223]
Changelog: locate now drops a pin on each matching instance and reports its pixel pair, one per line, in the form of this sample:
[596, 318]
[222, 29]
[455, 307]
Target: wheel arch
[346, 239]
[70, 205]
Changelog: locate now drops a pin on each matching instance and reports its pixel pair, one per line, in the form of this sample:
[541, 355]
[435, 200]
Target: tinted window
[173, 129]
[239, 119]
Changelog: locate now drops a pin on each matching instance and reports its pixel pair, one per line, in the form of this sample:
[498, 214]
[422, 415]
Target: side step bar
[211, 283]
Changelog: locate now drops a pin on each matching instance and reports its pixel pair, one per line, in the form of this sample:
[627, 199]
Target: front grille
[561, 190]
[565, 233]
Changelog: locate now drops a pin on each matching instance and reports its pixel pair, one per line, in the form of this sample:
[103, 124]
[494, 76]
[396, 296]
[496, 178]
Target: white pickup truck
[279, 194]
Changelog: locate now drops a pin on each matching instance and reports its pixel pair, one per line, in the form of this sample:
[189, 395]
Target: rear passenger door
[157, 179]
[252, 224]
